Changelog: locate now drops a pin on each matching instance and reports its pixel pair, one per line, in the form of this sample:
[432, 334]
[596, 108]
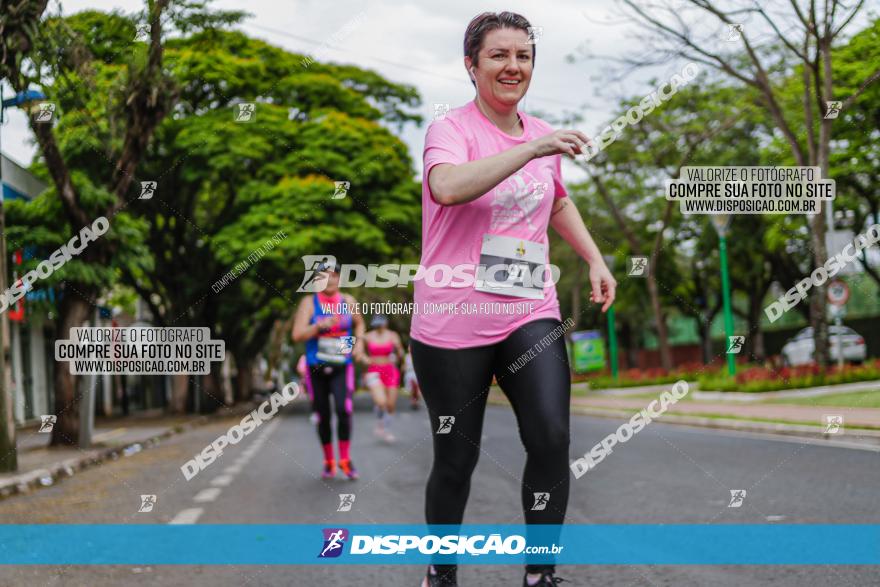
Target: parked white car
[799, 350]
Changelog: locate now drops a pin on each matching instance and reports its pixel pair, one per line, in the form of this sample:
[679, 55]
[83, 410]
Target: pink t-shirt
[518, 207]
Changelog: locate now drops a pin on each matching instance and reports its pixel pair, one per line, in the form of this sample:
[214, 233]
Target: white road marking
[206, 495]
[188, 516]
[222, 480]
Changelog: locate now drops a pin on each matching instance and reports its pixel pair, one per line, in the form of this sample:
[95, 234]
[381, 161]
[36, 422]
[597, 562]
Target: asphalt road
[668, 474]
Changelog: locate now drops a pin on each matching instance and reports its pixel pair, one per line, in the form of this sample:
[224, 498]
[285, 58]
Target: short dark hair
[490, 21]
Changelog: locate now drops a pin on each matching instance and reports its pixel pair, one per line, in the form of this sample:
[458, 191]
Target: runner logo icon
[334, 541]
[446, 423]
[737, 496]
[346, 345]
[541, 499]
[147, 503]
[346, 500]
[47, 423]
[833, 423]
[316, 277]
[735, 344]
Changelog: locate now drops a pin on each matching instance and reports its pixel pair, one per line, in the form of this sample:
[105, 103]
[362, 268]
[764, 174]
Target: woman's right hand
[567, 142]
[325, 324]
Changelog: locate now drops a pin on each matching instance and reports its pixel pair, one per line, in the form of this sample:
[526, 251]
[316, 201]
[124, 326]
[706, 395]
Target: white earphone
[473, 75]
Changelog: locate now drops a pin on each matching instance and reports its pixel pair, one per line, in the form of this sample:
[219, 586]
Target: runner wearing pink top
[383, 351]
[491, 186]
[518, 207]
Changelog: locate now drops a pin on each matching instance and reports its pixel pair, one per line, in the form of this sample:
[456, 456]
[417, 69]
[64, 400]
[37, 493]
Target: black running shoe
[547, 578]
[445, 578]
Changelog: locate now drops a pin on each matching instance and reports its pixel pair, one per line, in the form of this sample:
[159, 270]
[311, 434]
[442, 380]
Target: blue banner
[575, 544]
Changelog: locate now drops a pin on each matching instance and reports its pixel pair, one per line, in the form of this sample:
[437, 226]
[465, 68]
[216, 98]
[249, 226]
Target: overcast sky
[420, 43]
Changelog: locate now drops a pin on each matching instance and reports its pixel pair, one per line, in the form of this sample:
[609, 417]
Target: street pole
[721, 222]
[8, 451]
[612, 342]
[612, 332]
[838, 321]
[728, 312]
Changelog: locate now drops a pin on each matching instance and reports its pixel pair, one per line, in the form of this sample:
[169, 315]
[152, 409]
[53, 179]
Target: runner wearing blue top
[333, 332]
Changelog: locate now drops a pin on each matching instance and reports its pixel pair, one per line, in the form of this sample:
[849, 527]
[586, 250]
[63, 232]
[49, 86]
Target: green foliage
[39, 228]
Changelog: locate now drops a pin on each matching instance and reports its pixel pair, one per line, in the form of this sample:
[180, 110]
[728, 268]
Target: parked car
[799, 350]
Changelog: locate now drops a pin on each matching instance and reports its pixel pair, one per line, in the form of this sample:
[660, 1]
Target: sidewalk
[122, 436]
[729, 396]
[853, 417]
[40, 466]
[861, 425]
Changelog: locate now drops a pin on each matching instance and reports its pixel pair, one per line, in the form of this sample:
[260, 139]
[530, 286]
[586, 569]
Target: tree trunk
[818, 303]
[73, 312]
[756, 342]
[212, 389]
[662, 335]
[179, 389]
[244, 378]
[706, 339]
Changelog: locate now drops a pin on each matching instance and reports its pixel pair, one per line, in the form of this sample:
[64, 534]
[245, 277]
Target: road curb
[46, 477]
[858, 435]
[757, 396]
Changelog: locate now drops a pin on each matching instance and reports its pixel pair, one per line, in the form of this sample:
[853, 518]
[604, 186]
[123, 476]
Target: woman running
[491, 186]
[383, 349]
[325, 321]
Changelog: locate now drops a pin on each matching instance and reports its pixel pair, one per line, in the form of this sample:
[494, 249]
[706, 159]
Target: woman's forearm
[566, 220]
[459, 184]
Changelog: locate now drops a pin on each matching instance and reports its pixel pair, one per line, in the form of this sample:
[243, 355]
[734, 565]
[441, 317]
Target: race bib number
[331, 349]
[511, 267]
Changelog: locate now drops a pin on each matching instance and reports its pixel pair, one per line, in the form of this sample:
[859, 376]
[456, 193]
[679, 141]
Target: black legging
[455, 382]
[339, 384]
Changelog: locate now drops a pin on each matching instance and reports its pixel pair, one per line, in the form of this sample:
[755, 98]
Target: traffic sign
[838, 292]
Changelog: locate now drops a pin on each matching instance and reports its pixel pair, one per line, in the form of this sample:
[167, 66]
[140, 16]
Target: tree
[117, 101]
[629, 177]
[227, 188]
[804, 34]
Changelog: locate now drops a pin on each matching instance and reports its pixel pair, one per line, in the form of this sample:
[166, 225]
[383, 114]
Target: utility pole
[8, 453]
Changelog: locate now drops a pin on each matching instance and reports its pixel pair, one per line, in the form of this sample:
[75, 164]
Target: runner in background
[383, 351]
[410, 381]
[326, 326]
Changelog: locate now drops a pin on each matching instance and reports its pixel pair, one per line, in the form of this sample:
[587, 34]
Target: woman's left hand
[603, 284]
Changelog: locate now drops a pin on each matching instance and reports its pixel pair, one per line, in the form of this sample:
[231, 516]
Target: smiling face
[504, 69]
